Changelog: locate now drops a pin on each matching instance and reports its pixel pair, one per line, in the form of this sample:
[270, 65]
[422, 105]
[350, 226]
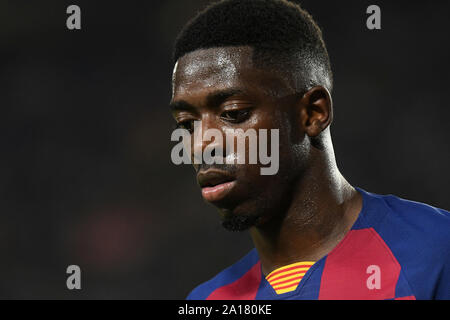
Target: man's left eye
[235, 116]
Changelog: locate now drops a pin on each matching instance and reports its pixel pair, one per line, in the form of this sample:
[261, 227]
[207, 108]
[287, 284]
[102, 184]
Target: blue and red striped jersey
[396, 249]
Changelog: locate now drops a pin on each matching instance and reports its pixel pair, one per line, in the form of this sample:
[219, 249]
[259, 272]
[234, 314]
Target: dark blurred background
[85, 170]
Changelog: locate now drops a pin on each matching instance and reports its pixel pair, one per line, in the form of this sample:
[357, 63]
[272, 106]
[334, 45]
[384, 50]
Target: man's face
[223, 89]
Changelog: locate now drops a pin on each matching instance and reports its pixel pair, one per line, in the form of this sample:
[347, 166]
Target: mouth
[215, 184]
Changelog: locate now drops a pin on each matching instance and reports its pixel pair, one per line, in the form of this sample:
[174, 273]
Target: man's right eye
[187, 124]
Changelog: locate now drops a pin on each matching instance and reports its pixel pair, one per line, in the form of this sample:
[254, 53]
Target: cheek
[273, 144]
[262, 195]
[254, 185]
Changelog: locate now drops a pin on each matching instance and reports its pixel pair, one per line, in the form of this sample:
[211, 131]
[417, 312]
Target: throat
[316, 221]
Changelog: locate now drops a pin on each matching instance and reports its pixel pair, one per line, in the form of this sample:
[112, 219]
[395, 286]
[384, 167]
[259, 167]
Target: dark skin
[302, 212]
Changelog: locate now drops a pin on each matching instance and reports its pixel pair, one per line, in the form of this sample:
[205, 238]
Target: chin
[239, 223]
[243, 217]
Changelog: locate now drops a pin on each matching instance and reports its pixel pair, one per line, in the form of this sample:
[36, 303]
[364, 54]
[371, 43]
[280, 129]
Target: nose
[208, 142]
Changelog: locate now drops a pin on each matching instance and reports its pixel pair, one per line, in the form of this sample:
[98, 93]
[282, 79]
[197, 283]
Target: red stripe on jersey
[351, 268]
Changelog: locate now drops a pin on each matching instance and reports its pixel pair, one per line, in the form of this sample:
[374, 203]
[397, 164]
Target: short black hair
[281, 33]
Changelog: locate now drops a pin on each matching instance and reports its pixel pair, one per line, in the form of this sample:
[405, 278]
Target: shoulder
[408, 220]
[418, 236]
[225, 277]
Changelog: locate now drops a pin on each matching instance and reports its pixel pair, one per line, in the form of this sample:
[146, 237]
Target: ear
[316, 112]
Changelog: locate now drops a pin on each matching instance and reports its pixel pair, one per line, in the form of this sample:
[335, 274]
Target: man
[262, 64]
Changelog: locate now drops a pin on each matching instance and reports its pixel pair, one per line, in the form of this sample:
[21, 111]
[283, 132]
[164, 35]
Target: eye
[187, 124]
[235, 116]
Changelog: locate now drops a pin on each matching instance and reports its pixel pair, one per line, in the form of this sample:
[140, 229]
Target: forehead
[206, 70]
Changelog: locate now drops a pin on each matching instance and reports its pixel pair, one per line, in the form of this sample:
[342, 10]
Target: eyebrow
[213, 99]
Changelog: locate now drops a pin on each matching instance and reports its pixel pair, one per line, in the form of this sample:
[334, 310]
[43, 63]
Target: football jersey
[396, 249]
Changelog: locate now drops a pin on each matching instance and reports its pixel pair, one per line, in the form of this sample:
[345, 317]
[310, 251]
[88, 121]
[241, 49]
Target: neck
[323, 208]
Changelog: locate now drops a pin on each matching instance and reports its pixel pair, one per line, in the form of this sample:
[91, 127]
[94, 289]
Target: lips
[215, 184]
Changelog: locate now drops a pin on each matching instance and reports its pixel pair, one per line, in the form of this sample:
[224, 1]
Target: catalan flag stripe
[287, 278]
[287, 274]
[286, 290]
[284, 280]
[287, 283]
[293, 266]
[287, 268]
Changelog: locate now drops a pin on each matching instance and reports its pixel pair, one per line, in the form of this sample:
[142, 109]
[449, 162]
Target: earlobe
[317, 110]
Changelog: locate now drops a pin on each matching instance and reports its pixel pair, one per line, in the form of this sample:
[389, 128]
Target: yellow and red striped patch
[287, 278]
